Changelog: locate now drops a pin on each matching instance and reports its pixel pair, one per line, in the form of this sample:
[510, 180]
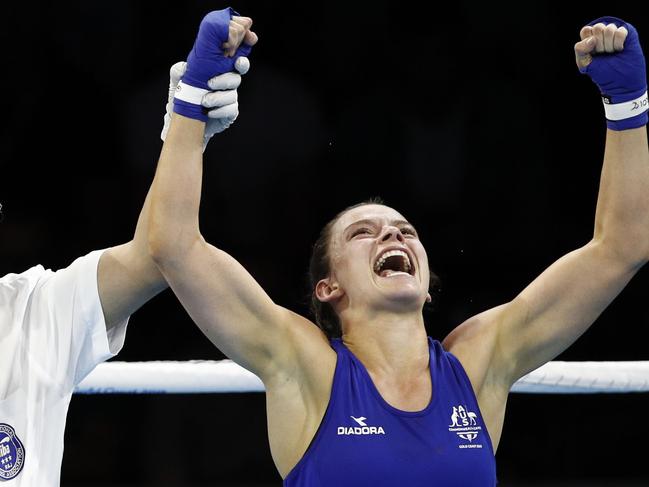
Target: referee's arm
[127, 277]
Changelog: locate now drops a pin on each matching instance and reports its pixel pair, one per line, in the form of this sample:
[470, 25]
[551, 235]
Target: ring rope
[224, 376]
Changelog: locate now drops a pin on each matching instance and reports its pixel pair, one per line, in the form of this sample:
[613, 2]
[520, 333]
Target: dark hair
[320, 267]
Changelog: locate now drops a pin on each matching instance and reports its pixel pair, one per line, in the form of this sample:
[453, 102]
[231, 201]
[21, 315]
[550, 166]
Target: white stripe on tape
[190, 94]
[628, 109]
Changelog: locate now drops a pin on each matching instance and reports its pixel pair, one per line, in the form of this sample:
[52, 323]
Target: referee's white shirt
[52, 334]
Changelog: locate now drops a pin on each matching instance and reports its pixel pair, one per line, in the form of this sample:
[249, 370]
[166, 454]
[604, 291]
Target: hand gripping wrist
[205, 61]
[622, 80]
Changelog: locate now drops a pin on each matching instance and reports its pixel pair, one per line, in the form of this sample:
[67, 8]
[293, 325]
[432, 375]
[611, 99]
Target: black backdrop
[471, 119]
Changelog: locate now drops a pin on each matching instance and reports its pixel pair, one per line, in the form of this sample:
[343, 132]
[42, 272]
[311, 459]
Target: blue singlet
[363, 441]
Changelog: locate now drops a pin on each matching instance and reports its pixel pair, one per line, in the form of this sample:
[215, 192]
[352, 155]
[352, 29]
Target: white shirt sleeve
[64, 324]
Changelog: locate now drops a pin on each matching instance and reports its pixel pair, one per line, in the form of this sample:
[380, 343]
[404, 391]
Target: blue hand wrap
[205, 61]
[622, 80]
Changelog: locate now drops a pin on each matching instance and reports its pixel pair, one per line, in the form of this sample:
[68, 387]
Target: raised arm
[127, 277]
[221, 297]
[565, 300]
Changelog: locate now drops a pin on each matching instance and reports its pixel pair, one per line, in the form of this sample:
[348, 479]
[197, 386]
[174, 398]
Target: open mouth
[394, 262]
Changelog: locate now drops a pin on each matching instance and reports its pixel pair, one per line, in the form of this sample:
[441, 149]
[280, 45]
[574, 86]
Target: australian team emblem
[465, 425]
[12, 453]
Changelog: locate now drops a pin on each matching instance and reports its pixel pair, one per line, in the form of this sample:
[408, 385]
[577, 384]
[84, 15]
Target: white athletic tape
[203, 376]
[628, 109]
[190, 94]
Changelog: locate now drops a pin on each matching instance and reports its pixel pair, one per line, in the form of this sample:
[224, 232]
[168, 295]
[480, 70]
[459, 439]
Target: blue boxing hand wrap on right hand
[622, 80]
[205, 61]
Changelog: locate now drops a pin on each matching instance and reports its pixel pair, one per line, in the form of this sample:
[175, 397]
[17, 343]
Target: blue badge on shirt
[12, 453]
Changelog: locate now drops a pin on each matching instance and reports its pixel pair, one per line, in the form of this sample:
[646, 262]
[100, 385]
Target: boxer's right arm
[222, 298]
[127, 276]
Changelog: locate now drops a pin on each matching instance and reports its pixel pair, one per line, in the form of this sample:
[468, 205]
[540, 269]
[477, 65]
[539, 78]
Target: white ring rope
[586, 377]
[207, 376]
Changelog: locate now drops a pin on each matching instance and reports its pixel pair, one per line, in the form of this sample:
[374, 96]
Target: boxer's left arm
[557, 307]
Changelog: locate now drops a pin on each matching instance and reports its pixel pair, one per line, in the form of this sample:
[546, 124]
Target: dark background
[469, 118]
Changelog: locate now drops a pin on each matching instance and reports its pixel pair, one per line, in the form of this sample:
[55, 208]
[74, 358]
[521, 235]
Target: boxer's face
[377, 261]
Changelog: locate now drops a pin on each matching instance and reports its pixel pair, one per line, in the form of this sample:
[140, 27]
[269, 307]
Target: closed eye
[409, 231]
[360, 231]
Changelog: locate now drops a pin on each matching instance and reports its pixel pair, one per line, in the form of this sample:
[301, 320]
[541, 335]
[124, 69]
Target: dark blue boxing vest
[363, 441]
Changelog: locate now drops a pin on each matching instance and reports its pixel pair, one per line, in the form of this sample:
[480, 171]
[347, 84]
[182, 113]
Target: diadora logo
[361, 429]
[360, 421]
[465, 425]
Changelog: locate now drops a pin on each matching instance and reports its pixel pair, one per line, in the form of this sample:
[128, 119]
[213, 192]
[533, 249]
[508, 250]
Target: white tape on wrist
[628, 109]
[190, 94]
